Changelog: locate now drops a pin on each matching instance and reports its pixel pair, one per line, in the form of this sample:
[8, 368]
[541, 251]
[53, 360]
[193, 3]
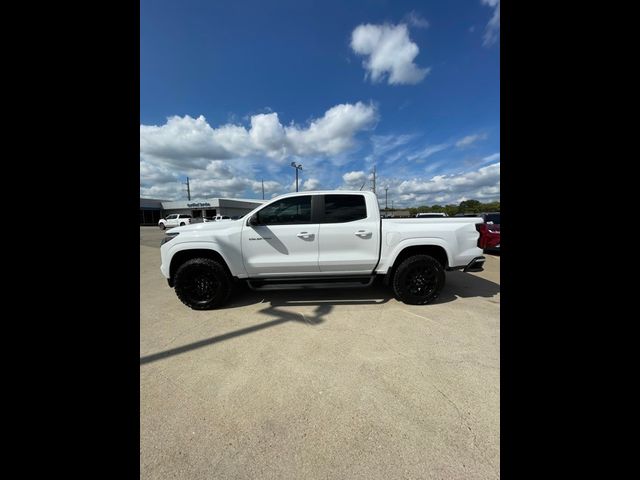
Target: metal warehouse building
[152, 210]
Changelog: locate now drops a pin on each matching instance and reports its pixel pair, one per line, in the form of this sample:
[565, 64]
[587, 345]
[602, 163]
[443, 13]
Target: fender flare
[414, 242]
[181, 247]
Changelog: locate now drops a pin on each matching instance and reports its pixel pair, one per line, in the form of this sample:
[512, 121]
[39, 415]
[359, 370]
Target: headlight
[168, 237]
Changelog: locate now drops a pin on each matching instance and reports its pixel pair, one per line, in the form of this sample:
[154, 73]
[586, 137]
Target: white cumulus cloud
[334, 132]
[270, 186]
[311, 184]
[220, 161]
[192, 142]
[482, 184]
[388, 52]
[467, 183]
[354, 177]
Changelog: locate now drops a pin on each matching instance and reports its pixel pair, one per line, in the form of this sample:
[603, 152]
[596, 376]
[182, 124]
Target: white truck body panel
[280, 250]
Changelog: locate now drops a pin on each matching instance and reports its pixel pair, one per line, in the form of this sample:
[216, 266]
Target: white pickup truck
[174, 220]
[321, 239]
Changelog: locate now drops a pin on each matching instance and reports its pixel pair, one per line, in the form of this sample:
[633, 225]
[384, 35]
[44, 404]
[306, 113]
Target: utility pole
[263, 188]
[385, 198]
[374, 178]
[297, 167]
[188, 189]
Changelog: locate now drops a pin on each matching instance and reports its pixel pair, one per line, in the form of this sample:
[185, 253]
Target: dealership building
[152, 210]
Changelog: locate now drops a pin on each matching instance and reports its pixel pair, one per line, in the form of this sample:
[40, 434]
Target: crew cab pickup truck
[320, 239]
[174, 220]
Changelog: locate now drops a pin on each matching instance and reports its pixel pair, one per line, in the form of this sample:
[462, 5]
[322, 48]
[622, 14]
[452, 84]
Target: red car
[489, 231]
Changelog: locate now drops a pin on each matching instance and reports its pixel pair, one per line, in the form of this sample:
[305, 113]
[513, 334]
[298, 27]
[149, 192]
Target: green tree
[470, 206]
[451, 210]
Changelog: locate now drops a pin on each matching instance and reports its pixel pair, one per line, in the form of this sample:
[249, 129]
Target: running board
[261, 284]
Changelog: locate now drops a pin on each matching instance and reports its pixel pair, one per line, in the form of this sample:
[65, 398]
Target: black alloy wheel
[418, 280]
[202, 284]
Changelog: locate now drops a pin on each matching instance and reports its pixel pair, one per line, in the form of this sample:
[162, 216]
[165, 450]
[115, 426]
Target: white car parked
[174, 220]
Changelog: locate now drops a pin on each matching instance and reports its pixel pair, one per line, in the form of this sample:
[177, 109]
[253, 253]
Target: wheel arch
[438, 252]
[182, 256]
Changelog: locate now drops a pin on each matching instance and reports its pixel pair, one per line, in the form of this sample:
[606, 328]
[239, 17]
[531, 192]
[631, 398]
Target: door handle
[363, 233]
[304, 235]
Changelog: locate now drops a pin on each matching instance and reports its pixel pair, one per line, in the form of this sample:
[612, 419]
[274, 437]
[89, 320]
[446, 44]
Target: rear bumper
[475, 265]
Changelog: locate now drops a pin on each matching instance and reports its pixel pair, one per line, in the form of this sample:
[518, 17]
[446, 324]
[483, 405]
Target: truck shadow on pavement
[282, 316]
[458, 284]
[466, 285]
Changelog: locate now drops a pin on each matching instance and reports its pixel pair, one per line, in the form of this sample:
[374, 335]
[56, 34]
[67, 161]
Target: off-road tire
[418, 280]
[202, 284]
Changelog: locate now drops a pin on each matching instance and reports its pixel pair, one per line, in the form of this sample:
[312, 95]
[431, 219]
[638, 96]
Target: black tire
[418, 280]
[202, 284]
[182, 224]
[162, 227]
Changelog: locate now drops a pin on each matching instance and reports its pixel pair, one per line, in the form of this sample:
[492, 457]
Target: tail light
[480, 227]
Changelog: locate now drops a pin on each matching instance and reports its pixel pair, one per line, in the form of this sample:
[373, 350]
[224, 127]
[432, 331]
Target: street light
[385, 198]
[297, 167]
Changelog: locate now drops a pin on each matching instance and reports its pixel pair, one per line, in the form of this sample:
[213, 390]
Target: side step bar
[260, 284]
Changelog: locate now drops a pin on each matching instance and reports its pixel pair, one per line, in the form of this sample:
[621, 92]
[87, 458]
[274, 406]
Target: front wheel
[182, 224]
[418, 280]
[202, 284]
[162, 227]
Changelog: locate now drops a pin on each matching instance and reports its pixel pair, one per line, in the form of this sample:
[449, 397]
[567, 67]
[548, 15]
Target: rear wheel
[418, 280]
[202, 284]
[182, 224]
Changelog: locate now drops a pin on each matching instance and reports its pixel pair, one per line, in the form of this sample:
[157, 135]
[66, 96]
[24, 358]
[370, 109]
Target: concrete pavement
[320, 384]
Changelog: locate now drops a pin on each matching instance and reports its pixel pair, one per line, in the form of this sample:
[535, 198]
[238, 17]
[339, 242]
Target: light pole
[297, 167]
[385, 198]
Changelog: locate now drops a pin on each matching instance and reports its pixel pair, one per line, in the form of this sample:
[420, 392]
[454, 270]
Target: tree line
[467, 206]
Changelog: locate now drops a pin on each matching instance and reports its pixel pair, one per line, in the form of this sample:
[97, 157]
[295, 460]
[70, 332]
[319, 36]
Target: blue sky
[233, 92]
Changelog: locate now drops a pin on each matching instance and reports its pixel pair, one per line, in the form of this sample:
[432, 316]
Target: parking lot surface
[320, 384]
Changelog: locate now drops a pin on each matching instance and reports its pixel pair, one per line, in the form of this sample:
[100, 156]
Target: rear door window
[344, 208]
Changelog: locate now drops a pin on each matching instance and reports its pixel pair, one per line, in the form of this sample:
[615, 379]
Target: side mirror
[253, 221]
